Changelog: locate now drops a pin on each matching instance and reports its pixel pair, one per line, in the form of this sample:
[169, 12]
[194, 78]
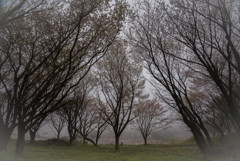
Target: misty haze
[91, 80]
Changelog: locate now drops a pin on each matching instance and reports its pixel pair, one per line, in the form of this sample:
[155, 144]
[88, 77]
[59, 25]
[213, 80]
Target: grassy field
[47, 151]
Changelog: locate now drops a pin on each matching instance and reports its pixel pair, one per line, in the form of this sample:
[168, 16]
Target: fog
[175, 133]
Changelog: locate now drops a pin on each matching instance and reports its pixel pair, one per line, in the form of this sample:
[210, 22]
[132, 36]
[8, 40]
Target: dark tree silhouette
[121, 85]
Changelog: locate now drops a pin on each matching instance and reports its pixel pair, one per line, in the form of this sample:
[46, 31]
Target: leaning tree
[165, 59]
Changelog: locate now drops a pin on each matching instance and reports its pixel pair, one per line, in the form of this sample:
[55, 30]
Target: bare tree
[35, 128]
[164, 58]
[87, 119]
[70, 114]
[121, 85]
[91, 121]
[100, 123]
[76, 112]
[57, 122]
[151, 117]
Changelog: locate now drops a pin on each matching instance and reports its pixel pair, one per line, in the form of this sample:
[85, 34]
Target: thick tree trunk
[20, 139]
[3, 143]
[4, 138]
[116, 142]
[197, 133]
[32, 136]
[199, 138]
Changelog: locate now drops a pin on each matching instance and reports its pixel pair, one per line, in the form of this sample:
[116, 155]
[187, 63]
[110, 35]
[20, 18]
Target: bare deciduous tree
[87, 119]
[57, 123]
[121, 86]
[100, 123]
[70, 113]
[35, 128]
[150, 117]
[74, 111]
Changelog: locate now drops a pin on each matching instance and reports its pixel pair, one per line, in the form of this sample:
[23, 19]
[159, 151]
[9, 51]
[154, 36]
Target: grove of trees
[79, 64]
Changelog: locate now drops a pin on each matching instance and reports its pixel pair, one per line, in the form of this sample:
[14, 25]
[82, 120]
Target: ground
[50, 151]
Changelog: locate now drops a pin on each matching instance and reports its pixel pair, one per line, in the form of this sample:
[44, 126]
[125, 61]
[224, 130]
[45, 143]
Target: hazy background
[177, 132]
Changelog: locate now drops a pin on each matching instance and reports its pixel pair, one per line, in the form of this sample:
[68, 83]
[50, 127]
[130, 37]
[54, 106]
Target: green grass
[50, 151]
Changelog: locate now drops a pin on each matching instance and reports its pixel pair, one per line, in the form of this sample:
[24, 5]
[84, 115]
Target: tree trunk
[145, 140]
[90, 140]
[116, 142]
[84, 140]
[199, 138]
[71, 137]
[3, 143]
[197, 133]
[4, 138]
[206, 133]
[235, 114]
[32, 136]
[71, 140]
[20, 139]
[96, 141]
[58, 135]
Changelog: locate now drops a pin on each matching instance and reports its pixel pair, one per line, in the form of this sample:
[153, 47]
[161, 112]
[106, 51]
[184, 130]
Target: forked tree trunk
[20, 139]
